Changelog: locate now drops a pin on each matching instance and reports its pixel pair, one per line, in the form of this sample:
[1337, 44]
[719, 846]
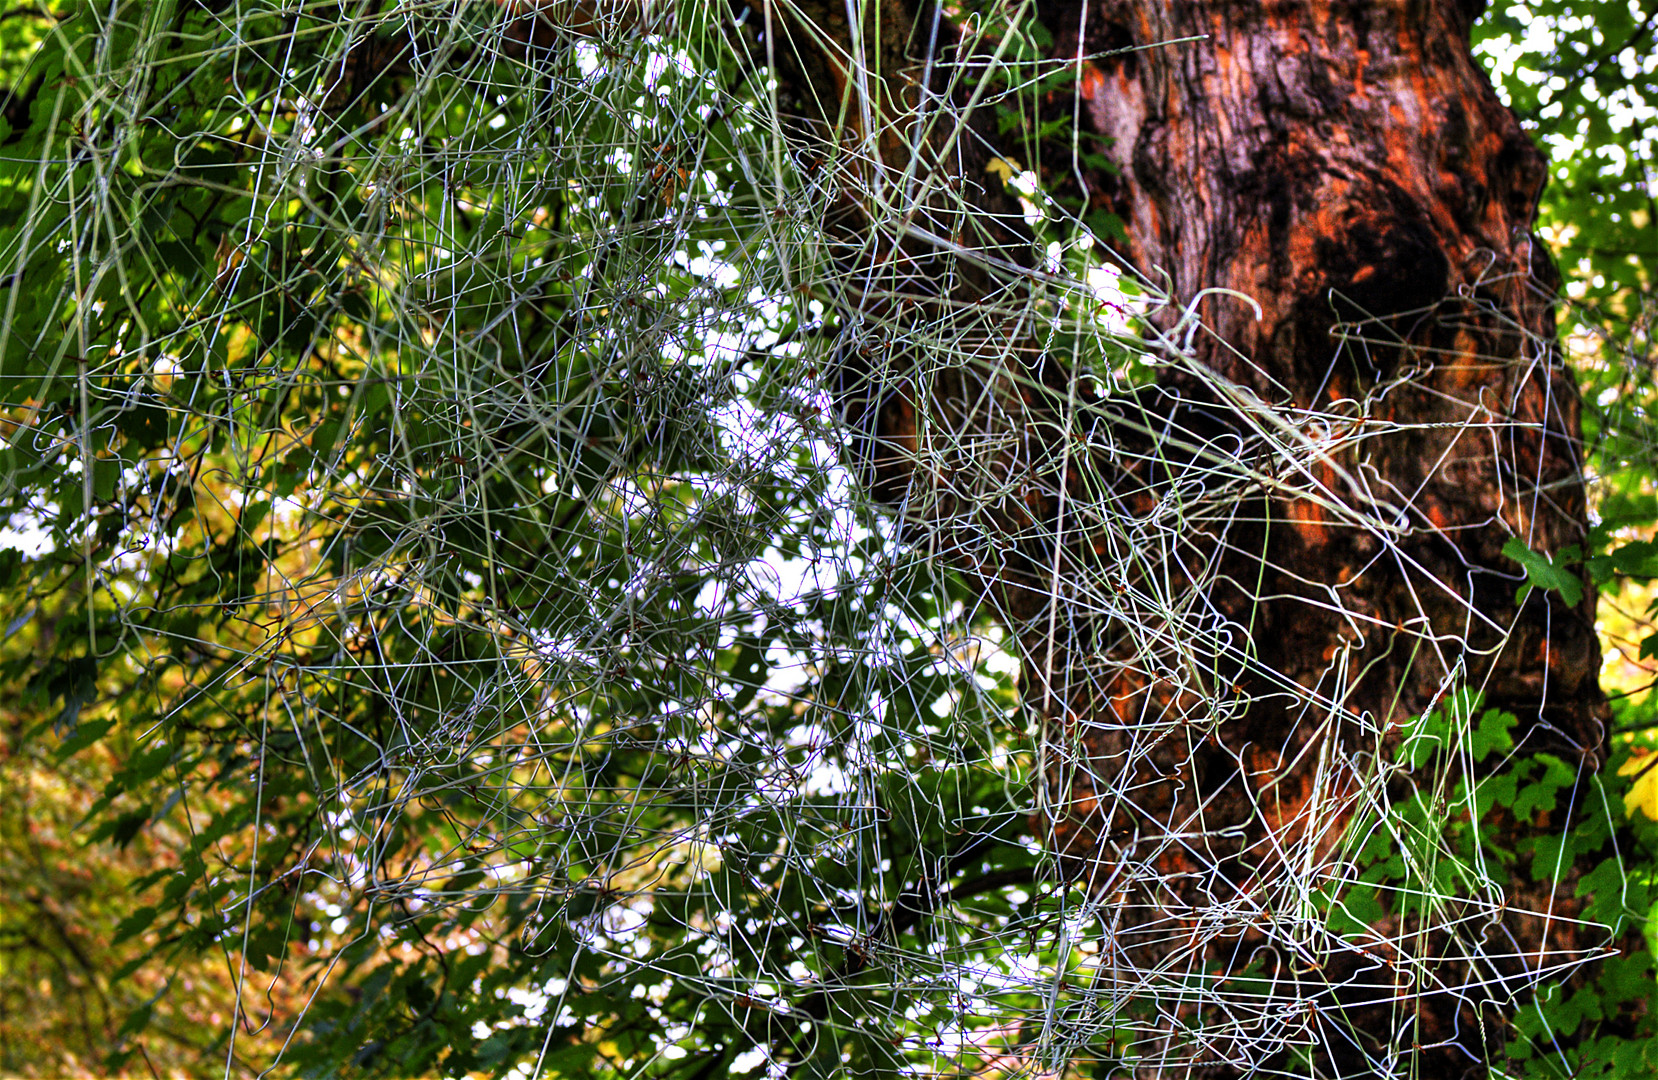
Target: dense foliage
[436, 607]
[409, 492]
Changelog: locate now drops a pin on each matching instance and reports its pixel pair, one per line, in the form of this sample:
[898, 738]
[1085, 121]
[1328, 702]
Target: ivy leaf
[1545, 573]
[1542, 793]
[1492, 734]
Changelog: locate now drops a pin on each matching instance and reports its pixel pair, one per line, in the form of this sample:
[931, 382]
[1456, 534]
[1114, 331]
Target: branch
[901, 917]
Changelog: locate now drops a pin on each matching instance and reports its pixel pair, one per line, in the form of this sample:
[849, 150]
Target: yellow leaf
[1643, 792]
[1005, 169]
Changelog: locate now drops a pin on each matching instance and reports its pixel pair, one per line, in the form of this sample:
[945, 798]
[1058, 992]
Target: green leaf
[106, 472]
[1540, 795]
[1103, 223]
[138, 1019]
[126, 969]
[1492, 734]
[128, 825]
[1545, 573]
[84, 735]
[134, 924]
[1637, 559]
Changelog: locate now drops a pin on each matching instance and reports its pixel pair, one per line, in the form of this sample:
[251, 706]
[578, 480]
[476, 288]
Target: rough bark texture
[1347, 462]
[1349, 168]
[1350, 163]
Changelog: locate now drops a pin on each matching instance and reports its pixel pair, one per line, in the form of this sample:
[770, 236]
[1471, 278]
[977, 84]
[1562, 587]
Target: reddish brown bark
[1348, 166]
[1349, 162]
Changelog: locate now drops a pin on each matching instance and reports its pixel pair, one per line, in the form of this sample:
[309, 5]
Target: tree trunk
[1234, 585]
[1348, 167]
